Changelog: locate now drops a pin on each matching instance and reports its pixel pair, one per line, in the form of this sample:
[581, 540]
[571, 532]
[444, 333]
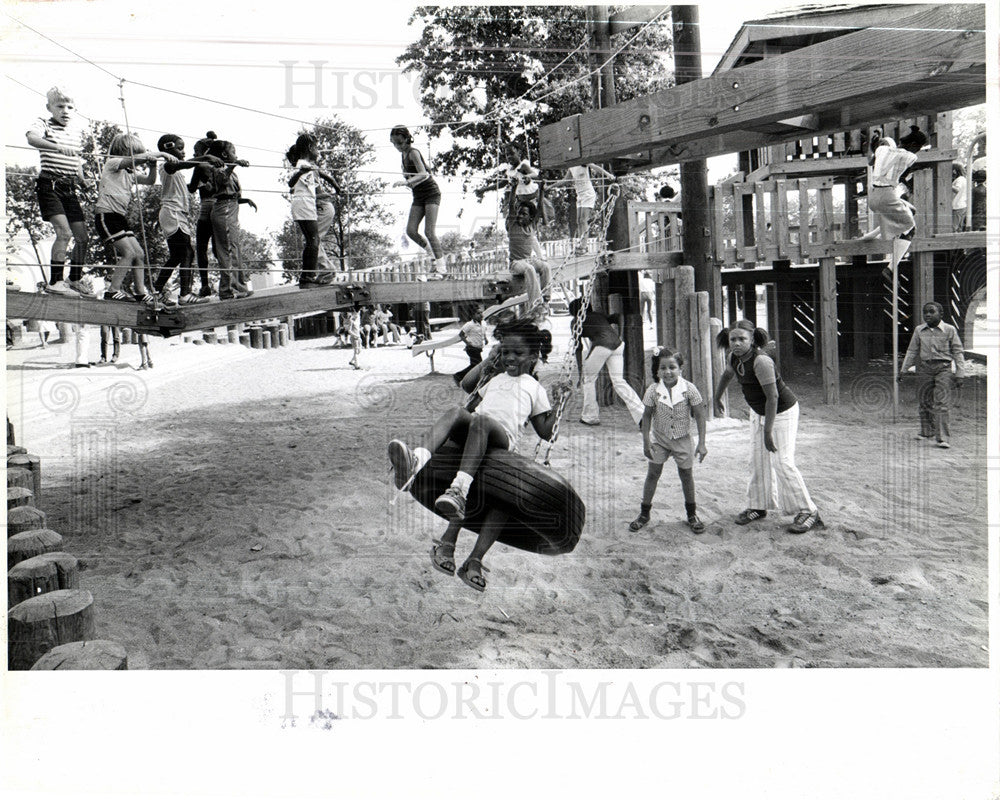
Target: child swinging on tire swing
[492, 418]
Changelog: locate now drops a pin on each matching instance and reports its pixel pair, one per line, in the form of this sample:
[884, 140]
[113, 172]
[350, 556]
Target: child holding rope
[58, 143]
[670, 403]
[114, 193]
[226, 218]
[173, 218]
[426, 197]
[493, 418]
[303, 155]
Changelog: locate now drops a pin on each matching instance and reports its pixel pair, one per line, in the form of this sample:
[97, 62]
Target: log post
[25, 518]
[683, 286]
[19, 477]
[18, 496]
[32, 463]
[718, 366]
[827, 314]
[97, 654]
[750, 302]
[210, 337]
[290, 322]
[245, 339]
[28, 544]
[666, 310]
[265, 339]
[784, 330]
[37, 625]
[923, 284]
[256, 338]
[700, 346]
[233, 337]
[40, 574]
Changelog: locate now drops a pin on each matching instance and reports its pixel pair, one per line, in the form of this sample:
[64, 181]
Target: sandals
[475, 580]
[638, 523]
[695, 524]
[440, 561]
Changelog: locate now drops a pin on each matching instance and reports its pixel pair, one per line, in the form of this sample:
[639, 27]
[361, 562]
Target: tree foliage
[361, 213]
[487, 75]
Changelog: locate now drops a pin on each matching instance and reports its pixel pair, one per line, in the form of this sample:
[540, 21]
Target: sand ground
[232, 510]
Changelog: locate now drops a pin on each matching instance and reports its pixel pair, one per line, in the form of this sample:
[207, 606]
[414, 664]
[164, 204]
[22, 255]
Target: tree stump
[209, 337]
[37, 625]
[282, 336]
[95, 654]
[13, 449]
[32, 463]
[19, 496]
[25, 518]
[256, 338]
[28, 544]
[245, 339]
[18, 476]
[265, 339]
[41, 574]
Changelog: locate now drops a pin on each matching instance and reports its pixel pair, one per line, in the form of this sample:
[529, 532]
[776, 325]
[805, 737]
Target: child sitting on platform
[500, 408]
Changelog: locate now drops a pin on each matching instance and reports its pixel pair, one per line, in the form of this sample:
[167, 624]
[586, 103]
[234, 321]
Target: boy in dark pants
[933, 348]
[473, 333]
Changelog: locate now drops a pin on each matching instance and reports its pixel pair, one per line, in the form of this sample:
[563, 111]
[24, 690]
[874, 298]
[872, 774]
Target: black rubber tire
[545, 513]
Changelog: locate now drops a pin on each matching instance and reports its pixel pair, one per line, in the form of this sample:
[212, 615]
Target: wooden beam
[934, 57]
[631, 16]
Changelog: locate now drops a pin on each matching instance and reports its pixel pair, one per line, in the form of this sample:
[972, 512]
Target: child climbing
[114, 194]
[670, 403]
[894, 215]
[499, 409]
[303, 155]
[527, 258]
[174, 209]
[586, 198]
[426, 197]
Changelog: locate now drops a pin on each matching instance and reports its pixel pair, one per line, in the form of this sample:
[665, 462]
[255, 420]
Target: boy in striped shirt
[58, 142]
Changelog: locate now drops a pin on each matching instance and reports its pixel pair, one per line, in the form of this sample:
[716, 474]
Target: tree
[486, 73]
[355, 235]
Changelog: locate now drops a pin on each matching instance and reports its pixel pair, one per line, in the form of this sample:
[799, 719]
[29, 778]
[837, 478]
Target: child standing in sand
[666, 431]
[354, 334]
[500, 408]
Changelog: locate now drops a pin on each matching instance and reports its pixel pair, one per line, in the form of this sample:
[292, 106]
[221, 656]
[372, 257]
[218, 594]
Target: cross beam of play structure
[922, 63]
[286, 301]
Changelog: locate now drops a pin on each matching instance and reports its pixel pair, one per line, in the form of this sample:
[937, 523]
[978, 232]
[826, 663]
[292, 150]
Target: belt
[226, 196]
[882, 185]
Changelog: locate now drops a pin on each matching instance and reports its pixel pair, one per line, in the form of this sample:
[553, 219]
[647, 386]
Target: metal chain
[576, 328]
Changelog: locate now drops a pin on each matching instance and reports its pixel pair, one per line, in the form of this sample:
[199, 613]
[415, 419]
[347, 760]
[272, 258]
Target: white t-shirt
[586, 197]
[512, 402]
[174, 203]
[304, 193]
[890, 163]
[959, 202]
[646, 285]
[114, 192]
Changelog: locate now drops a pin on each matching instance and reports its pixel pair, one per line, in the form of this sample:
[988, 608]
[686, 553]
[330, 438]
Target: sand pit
[231, 509]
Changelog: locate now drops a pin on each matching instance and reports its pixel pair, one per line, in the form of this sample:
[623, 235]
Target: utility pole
[694, 174]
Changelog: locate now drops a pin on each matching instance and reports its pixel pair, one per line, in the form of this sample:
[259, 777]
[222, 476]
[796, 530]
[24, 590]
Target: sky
[263, 60]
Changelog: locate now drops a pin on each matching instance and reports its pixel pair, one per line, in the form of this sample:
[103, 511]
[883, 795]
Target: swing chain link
[563, 382]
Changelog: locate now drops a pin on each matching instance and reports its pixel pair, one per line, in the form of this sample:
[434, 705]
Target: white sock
[462, 482]
[423, 455]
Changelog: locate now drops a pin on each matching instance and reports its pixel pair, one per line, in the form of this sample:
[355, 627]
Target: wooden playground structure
[798, 99]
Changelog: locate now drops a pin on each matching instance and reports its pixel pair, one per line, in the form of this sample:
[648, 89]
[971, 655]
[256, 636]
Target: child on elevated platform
[426, 198]
[304, 184]
[493, 418]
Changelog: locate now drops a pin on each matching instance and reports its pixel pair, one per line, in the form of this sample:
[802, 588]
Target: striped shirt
[52, 162]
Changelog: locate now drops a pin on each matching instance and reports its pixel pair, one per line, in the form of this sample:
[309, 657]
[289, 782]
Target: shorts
[427, 194]
[111, 226]
[681, 449]
[57, 197]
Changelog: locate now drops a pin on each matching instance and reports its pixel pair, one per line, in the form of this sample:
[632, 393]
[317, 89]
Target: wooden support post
[18, 496]
[33, 464]
[700, 344]
[666, 311]
[718, 366]
[750, 302]
[41, 574]
[39, 624]
[770, 303]
[626, 285]
[265, 339]
[922, 285]
[784, 330]
[25, 518]
[851, 208]
[28, 544]
[256, 338]
[19, 476]
[866, 312]
[290, 322]
[683, 286]
[828, 330]
[245, 339]
[731, 295]
[97, 654]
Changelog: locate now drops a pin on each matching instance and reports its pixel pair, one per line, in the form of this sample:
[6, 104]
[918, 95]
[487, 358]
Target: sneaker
[404, 462]
[451, 505]
[148, 300]
[192, 299]
[806, 521]
[750, 515]
[167, 299]
[922, 437]
[695, 524]
[59, 287]
[81, 288]
[944, 445]
[120, 296]
[205, 291]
